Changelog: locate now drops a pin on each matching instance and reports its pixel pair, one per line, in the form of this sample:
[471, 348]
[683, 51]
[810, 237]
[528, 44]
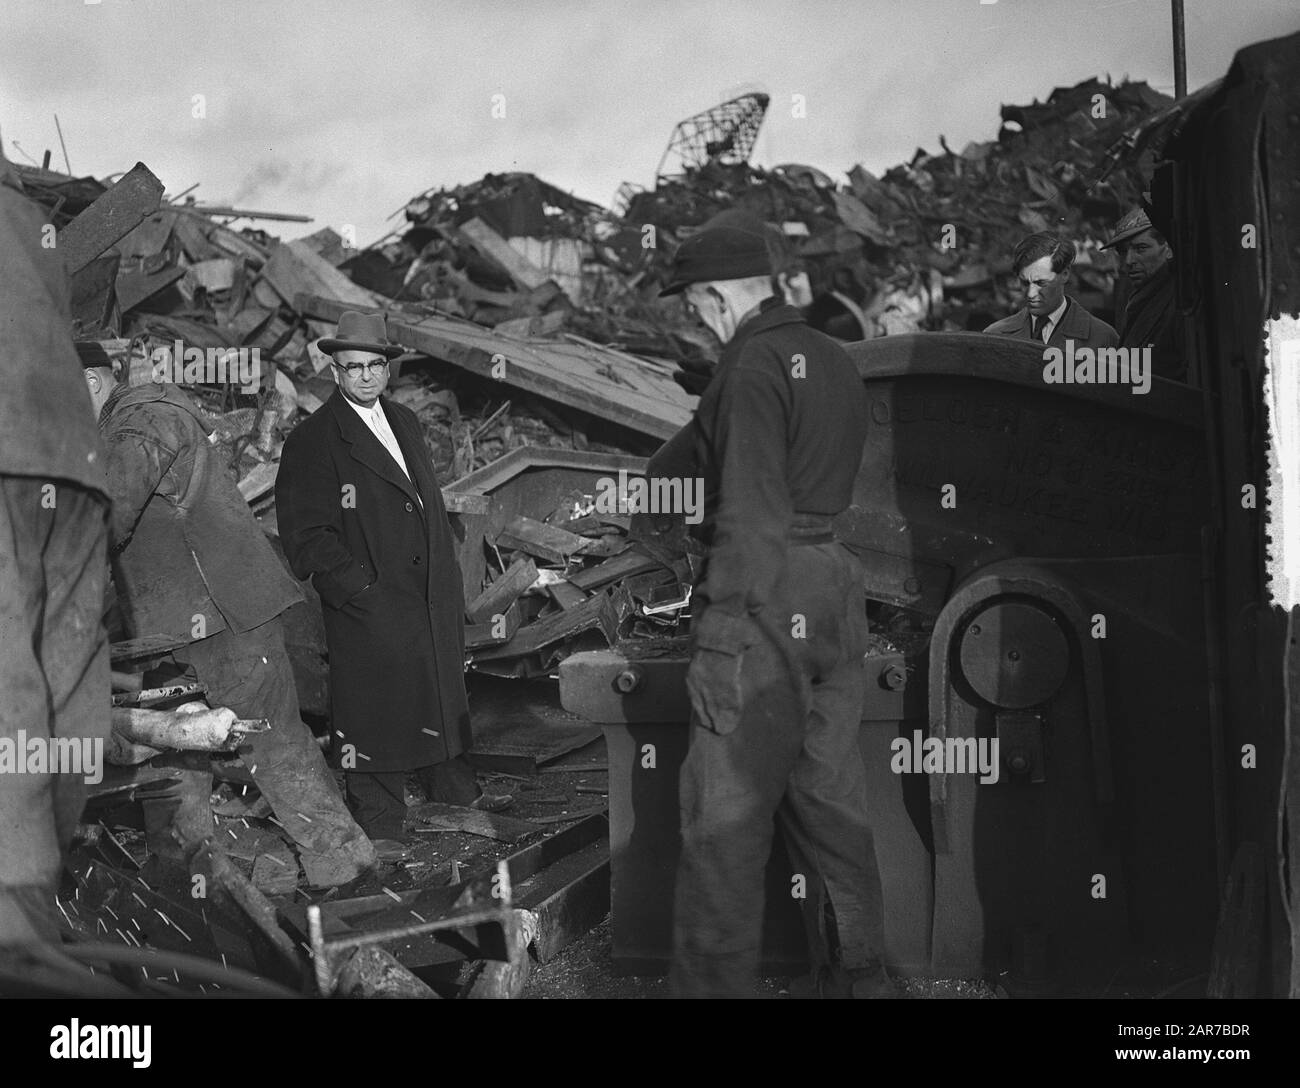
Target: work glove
[713, 678]
[694, 376]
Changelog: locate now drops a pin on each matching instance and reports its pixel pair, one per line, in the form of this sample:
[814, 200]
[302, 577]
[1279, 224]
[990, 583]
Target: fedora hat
[360, 332]
[1129, 226]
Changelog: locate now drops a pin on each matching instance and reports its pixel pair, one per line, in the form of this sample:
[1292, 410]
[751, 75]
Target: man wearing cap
[779, 626]
[53, 569]
[1041, 262]
[361, 514]
[1150, 317]
[191, 564]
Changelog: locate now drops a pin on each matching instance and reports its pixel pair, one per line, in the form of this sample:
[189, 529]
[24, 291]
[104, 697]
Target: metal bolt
[894, 677]
[628, 680]
[975, 629]
[912, 585]
[1013, 655]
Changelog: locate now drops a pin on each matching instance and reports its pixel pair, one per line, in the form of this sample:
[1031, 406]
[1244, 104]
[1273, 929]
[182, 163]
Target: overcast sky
[344, 109]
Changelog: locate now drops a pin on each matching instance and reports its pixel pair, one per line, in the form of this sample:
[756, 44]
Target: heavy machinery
[1077, 572]
[1032, 569]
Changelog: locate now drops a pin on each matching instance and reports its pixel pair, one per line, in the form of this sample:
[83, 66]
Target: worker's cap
[735, 250]
[92, 355]
[1130, 225]
[360, 332]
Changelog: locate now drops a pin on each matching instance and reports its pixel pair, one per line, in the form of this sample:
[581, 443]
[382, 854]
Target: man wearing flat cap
[1149, 317]
[779, 628]
[361, 514]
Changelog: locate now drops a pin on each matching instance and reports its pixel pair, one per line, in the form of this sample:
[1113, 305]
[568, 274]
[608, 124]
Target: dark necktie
[1038, 324]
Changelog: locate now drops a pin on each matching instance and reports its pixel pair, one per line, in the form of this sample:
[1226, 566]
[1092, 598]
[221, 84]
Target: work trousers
[793, 760]
[378, 801]
[53, 681]
[251, 674]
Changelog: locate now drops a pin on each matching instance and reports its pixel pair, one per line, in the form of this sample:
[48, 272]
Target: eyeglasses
[354, 369]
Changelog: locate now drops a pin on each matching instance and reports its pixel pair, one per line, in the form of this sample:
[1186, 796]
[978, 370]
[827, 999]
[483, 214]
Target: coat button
[416, 560]
[410, 507]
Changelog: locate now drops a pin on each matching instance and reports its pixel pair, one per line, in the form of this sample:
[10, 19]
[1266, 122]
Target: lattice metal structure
[725, 133]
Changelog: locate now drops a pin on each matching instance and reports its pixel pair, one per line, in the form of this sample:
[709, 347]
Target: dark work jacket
[779, 431]
[1076, 324]
[389, 584]
[47, 424]
[183, 541]
[1152, 320]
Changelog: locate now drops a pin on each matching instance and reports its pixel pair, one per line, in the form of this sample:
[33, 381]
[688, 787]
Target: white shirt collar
[363, 411]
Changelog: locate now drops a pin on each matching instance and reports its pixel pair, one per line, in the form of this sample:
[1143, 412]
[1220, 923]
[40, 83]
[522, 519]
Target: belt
[811, 529]
[803, 529]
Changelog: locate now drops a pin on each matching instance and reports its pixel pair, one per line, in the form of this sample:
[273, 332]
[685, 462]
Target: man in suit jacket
[360, 513]
[1042, 263]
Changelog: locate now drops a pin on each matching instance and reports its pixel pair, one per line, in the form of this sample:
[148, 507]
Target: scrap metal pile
[533, 318]
[583, 579]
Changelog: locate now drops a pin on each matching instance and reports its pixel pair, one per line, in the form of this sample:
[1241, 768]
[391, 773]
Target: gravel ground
[586, 970]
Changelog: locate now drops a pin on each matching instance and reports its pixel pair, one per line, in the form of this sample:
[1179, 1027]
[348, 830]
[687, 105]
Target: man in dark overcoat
[361, 514]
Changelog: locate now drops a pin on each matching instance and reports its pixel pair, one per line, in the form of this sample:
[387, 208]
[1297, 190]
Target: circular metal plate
[1014, 655]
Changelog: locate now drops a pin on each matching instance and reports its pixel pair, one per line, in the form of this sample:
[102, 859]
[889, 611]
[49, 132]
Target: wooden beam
[489, 243]
[503, 592]
[110, 218]
[575, 375]
[294, 268]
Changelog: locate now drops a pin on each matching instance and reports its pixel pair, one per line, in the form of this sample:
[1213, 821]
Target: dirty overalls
[778, 437]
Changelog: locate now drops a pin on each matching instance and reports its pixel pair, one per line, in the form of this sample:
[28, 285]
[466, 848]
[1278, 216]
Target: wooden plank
[604, 612]
[494, 631]
[114, 215]
[541, 540]
[612, 570]
[566, 595]
[489, 243]
[503, 592]
[293, 268]
[574, 375]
